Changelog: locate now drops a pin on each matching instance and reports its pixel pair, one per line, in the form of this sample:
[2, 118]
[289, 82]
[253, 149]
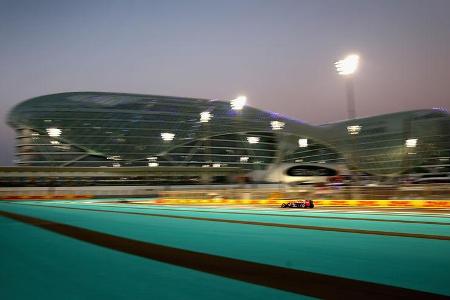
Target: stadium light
[114, 157]
[54, 132]
[238, 103]
[348, 65]
[253, 140]
[303, 143]
[277, 125]
[167, 136]
[205, 116]
[244, 159]
[153, 164]
[411, 143]
[353, 129]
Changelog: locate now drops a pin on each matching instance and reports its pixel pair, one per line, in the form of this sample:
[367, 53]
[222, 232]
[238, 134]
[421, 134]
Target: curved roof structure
[116, 129]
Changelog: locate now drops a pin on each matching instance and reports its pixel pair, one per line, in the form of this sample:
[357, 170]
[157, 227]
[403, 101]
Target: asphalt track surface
[97, 249]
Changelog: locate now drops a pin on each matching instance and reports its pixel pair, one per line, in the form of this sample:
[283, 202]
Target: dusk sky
[278, 53]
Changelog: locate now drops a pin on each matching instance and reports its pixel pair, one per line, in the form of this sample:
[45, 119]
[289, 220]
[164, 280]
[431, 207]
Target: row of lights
[236, 104]
[166, 136]
[356, 129]
[302, 143]
[205, 117]
[276, 125]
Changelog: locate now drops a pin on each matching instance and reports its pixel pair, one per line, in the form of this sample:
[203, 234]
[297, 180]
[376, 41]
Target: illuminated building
[94, 129]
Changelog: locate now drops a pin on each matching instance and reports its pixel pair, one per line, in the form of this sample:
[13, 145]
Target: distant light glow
[277, 125]
[253, 139]
[443, 109]
[114, 157]
[152, 158]
[205, 116]
[303, 143]
[205, 166]
[348, 65]
[216, 165]
[244, 159]
[238, 103]
[167, 136]
[411, 143]
[354, 129]
[54, 132]
[153, 164]
[55, 142]
[116, 165]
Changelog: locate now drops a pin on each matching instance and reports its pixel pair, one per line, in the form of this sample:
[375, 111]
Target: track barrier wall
[318, 202]
[429, 196]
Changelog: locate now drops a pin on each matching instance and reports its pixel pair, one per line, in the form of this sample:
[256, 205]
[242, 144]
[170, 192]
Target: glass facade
[89, 129]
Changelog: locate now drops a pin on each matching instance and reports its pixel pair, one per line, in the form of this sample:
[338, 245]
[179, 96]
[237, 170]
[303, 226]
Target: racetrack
[90, 249]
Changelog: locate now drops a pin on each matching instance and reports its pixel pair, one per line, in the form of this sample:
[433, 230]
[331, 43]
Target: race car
[298, 204]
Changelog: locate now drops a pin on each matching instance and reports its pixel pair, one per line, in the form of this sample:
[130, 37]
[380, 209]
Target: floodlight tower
[347, 67]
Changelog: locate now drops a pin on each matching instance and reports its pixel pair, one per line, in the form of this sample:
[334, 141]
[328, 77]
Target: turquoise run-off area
[41, 264]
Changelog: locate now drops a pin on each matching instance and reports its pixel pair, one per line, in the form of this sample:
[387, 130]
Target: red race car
[298, 204]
